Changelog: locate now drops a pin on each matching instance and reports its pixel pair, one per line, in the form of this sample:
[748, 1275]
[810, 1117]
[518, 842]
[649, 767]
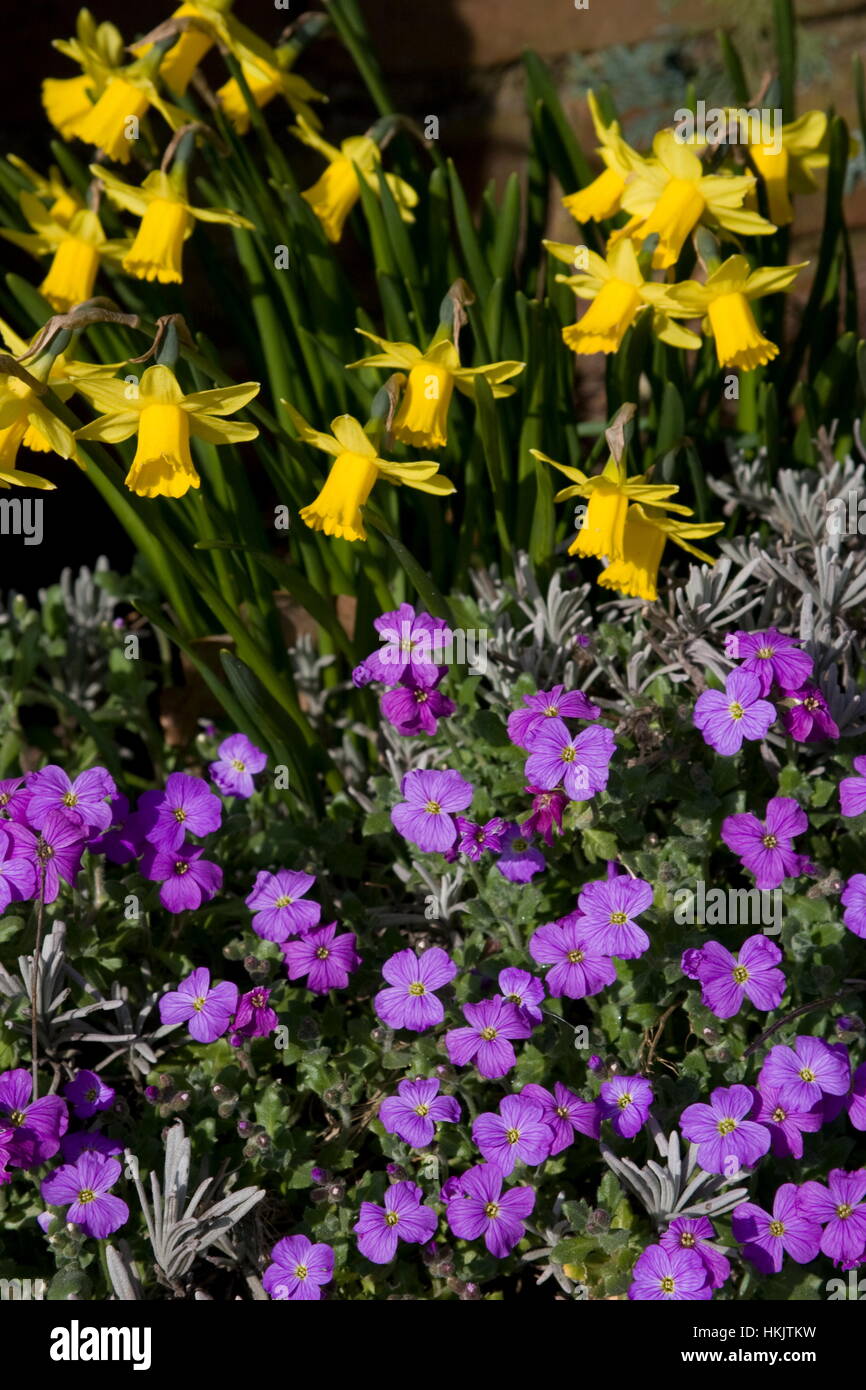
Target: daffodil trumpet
[646, 531]
[26, 417]
[333, 196]
[77, 248]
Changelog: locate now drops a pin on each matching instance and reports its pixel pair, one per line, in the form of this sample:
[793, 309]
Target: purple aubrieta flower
[580, 762]
[280, 907]
[766, 847]
[424, 818]
[299, 1270]
[236, 765]
[415, 1111]
[558, 703]
[57, 852]
[36, 1126]
[724, 1131]
[409, 1000]
[853, 900]
[326, 959]
[625, 1101]
[51, 790]
[786, 1124]
[486, 1039]
[804, 1073]
[14, 796]
[696, 1233]
[72, 1146]
[207, 1009]
[479, 1207]
[187, 807]
[607, 908]
[518, 860]
[88, 1094]
[840, 1209]
[579, 967]
[766, 1238]
[661, 1274]
[415, 709]
[727, 717]
[517, 1133]
[85, 1187]
[403, 1217]
[857, 1098]
[412, 648]
[770, 656]
[564, 1113]
[187, 879]
[17, 867]
[547, 809]
[809, 720]
[254, 1018]
[726, 980]
[852, 790]
[475, 839]
[522, 989]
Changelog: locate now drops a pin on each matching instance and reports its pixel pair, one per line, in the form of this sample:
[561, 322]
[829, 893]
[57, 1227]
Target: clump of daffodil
[76, 247]
[669, 195]
[25, 420]
[194, 41]
[333, 196]
[600, 199]
[422, 418]
[619, 293]
[645, 532]
[791, 169]
[167, 217]
[98, 50]
[113, 121]
[165, 419]
[62, 202]
[267, 73]
[356, 469]
[724, 303]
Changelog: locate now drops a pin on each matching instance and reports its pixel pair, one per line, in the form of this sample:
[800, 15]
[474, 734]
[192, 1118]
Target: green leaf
[434, 601]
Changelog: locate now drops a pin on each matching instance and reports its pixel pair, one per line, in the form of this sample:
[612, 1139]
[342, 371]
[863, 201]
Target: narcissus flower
[112, 124]
[334, 195]
[25, 420]
[356, 470]
[166, 222]
[791, 168]
[724, 300]
[267, 75]
[164, 419]
[669, 195]
[77, 248]
[600, 199]
[62, 202]
[422, 418]
[98, 50]
[645, 534]
[194, 43]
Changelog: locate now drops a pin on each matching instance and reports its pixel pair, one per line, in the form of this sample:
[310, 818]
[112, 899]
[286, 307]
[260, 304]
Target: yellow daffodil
[422, 418]
[609, 494]
[669, 195]
[644, 535]
[98, 50]
[112, 124]
[76, 249]
[334, 195]
[166, 222]
[25, 421]
[619, 293]
[62, 202]
[791, 168]
[268, 78]
[193, 43]
[601, 198]
[724, 300]
[165, 419]
[355, 471]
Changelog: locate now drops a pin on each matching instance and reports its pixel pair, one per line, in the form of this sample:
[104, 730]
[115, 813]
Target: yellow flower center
[667, 1284]
[740, 974]
[769, 841]
[417, 988]
[285, 901]
[726, 1126]
[777, 1228]
[568, 754]
[391, 1218]
[625, 1100]
[337, 509]
[163, 465]
[807, 1075]
[85, 1196]
[492, 1210]
[70, 799]
[512, 1135]
[575, 957]
[736, 710]
[433, 808]
[422, 1110]
[844, 1211]
[687, 1240]
[238, 765]
[301, 1271]
[322, 953]
[618, 919]
[488, 1034]
[198, 1004]
[779, 1115]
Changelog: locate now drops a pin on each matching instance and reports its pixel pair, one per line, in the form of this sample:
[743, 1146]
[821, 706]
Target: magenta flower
[254, 1018]
[786, 1124]
[857, 1098]
[806, 1072]
[415, 1111]
[770, 656]
[517, 1133]
[85, 1187]
[852, 790]
[564, 1113]
[840, 1209]
[726, 718]
[187, 879]
[57, 852]
[853, 900]
[481, 1208]
[403, 1217]
[766, 1238]
[187, 807]
[666, 1275]
[17, 867]
[235, 767]
[726, 1135]
[325, 958]
[32, 1130]
[696, 1233]
[410, 1002]
[84, 799]
[519, 860]
[579, 967]
[475, 839]
[766, 847]
[581, 763]
[299, 1270]
[88, 1094]
[524, 724]
[487, 1038]
[522, 989]
[809, 720]
[206, 1008]
[547, 809]
[14, 796]
[608, 907]
[412, 648]
[423, 818]
[278, 902]
[726, 980]
[625, 1101]
[415, 709]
